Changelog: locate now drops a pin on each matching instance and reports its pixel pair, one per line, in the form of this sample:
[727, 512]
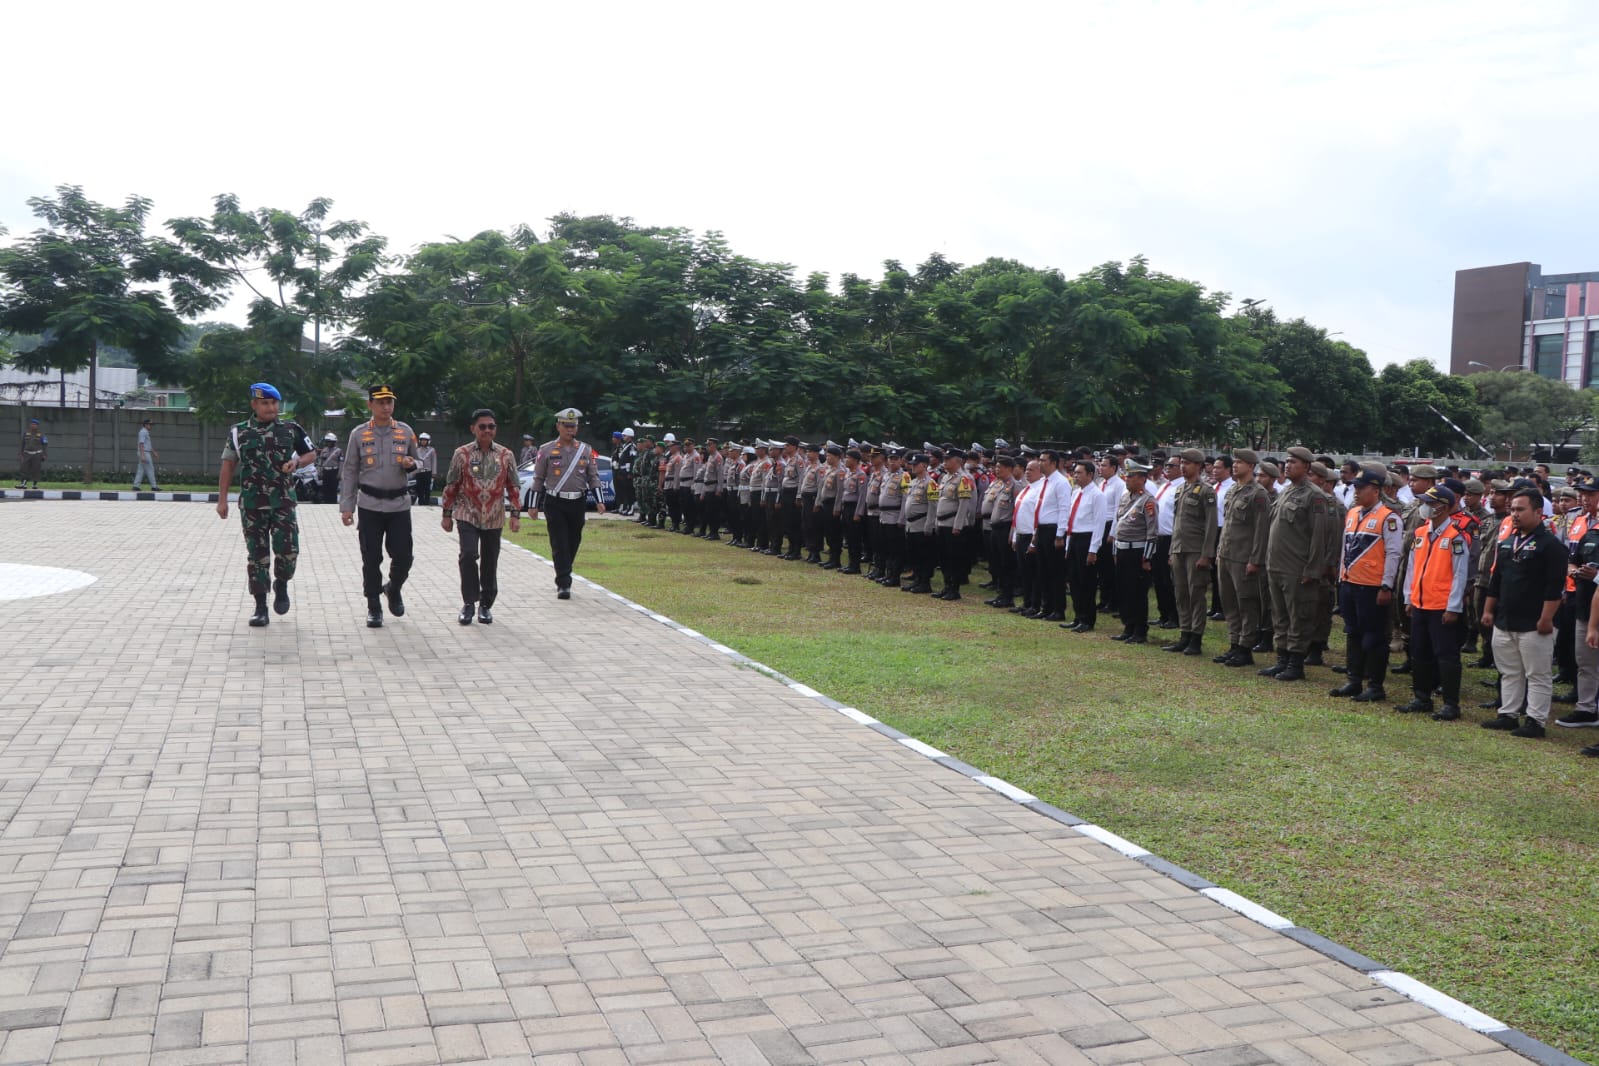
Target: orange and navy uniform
[1372, 541]
[1438, 569]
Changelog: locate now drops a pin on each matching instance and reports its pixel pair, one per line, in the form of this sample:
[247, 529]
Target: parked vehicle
[607, 484]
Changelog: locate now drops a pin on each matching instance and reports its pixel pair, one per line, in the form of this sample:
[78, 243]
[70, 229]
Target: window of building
[1593, 355]
[1554, 302]
[1548, 356]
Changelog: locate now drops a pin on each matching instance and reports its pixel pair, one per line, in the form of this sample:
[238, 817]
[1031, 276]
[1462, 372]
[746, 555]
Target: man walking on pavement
[266, 451]
[380, 454]
[147, 457]
[564, 473]
[479, 487]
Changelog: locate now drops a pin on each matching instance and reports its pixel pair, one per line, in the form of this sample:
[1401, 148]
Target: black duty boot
[280, 599]
[1357, 665]
[1244, 658]
[260, 617]
[1295, 670]
[1181, 644]
[1313, 657]
[1224, 657]
[1196, 645]
[1449, 682]
[1405, 667]
[1264, 644]
[1351, 687]
[374, 612]
[396, 605]
[1276, 668]
[1420, 705]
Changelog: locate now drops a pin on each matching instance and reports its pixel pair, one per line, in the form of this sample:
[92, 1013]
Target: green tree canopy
[1522, 409]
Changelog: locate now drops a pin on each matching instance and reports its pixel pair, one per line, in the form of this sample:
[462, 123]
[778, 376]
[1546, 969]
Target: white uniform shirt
[1026, 504]
[1113, 488]
[1221, 501]
[1345, 491]
[1057, 497]
[1165, 506]
[1087, 515]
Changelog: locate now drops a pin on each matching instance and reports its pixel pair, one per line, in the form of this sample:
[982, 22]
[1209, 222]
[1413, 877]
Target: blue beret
[262, 391]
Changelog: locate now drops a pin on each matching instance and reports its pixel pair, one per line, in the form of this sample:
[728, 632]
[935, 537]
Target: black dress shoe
[1081, 628]
[485, 615]
[465, 617]
[1165, 623]
[1121, 637]
[1447, 713]
[564, 594]
[280, 601]
[1138, 638]
[1372, 695]
[374, 613]
[850, 570]
[1403, 668]
[989, 585]
[1055, 616]
[396, 605]
[829, 565]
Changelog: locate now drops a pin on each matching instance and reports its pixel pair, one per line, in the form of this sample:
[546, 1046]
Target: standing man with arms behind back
[480, 485]
[379, 455]
[563, 474]
[1193, 551]
[266, 452]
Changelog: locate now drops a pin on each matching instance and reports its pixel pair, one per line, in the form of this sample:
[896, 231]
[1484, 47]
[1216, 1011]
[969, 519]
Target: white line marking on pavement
[1105, 836]
[1247, 907]
[1448, 1006]
[1005, 788]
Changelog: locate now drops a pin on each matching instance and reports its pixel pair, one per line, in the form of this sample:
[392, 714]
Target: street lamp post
[1503, 369]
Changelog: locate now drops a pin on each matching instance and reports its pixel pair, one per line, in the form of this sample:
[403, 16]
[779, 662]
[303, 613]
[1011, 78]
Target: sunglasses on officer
[486, 426]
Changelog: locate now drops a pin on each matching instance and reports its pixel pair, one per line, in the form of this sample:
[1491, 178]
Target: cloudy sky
[1338, 160]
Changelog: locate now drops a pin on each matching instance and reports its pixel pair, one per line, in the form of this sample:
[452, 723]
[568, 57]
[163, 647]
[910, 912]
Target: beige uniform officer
[1135, 538]
[1193, 551]
[564, 474]
[1296, 563]
[1241, 559]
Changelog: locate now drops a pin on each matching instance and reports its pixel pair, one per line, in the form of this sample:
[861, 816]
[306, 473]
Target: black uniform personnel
[564, 473]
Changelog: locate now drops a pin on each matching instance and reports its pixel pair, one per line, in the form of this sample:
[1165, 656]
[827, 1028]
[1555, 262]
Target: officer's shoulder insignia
[1260, 501]
[1318, 502]
[1150, 508]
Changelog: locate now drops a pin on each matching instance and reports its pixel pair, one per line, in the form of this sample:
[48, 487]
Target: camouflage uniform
[266, 496]
[644, 469]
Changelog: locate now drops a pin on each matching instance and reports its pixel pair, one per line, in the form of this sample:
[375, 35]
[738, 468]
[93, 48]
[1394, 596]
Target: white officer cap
[568, 414]
[628, 432]
[670, 438]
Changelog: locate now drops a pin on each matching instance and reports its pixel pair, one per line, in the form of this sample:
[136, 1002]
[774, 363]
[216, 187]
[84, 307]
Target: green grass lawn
[1466, 858]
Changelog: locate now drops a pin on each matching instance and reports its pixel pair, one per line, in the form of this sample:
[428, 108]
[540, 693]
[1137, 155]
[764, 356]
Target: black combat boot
[1295, 670]
[374, 612]
[1313, 657]
[1276, 668]
[1226, 656]
[1196, 646]
[396, 605]
[1244, 658]
[1181, 644]
[260, 617]
[1264, 644]
[280, 599]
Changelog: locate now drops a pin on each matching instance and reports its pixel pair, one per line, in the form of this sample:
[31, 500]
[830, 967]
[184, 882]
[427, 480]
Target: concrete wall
[1490, 306]
[189, 450]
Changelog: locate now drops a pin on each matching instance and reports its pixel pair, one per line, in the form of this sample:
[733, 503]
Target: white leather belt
[569, 495]
[1129, 545]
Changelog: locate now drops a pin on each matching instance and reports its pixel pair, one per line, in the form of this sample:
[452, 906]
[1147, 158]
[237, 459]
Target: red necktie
[1071, 519]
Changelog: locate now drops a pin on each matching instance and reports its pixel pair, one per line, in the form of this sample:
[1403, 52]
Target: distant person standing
[147, 458]
[266, 451]
[530, 451]
[564, 472]
[1529, 578]
[329, 464]
[480, 484]
[427, 465]
[379, 455]
[32, 455]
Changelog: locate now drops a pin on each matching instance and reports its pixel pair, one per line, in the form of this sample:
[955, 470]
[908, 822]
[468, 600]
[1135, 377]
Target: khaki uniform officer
[1325, 478]
[380, 454]
[1296, 562]
[564, 473]
[1241, 557]
[1193, 551]
[1136, 537]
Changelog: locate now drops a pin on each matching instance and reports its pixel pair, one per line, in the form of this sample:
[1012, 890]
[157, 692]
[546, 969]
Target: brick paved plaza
[319, 843]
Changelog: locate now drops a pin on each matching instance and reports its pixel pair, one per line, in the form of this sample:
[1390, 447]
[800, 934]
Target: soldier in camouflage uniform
[266, 451]
[645, 468]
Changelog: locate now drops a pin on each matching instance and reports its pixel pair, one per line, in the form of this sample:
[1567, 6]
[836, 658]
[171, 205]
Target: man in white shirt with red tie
[1022, 530]
[1049, 538]
[1084, 533]
[1113, 488]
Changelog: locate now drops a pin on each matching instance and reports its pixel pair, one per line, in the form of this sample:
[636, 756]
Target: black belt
[385, 494]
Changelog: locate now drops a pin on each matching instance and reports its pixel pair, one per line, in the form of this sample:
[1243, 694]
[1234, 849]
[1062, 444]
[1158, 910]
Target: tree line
[661, 326]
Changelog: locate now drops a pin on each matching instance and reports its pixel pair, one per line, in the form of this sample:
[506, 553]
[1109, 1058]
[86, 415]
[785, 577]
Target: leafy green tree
[1411, 397]
[1332, 395]
[92, 278]
[1522, 409]
[302, 270]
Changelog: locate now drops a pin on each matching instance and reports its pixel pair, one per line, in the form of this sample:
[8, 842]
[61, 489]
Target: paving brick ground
[320, 843]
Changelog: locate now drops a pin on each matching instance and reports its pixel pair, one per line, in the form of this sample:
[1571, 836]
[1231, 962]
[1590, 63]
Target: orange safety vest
[1432, 568]
[1507, 526]
[1575, 532]
[1365, 551]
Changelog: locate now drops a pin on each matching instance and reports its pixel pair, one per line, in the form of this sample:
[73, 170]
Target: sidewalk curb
[1404, 984]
